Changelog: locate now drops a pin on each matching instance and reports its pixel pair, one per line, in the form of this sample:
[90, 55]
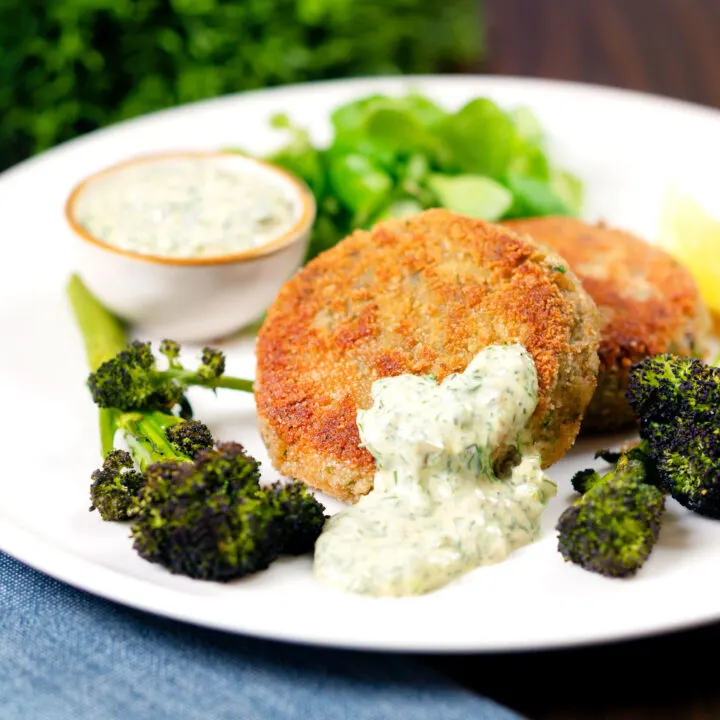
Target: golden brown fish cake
[650, 304]
[420, 295]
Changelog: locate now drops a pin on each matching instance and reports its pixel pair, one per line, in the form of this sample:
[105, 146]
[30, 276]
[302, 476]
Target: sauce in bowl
[187, 206]
[191, 245]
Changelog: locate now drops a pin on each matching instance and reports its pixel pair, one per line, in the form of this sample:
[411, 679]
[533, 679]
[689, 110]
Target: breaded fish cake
[420, 295]
[650, 304]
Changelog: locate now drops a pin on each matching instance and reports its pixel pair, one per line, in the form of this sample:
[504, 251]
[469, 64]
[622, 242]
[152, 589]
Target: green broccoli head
[190, 437]
[583, 480]
[211, 520]
[689, 466]
[132, 380]
[115, 485]
[662, 387]
[677, 400]
[208, 537]
[153, 439]
[632, 463]
[301, 515]
[612, 528]
[229, 468]
[212, 364]
[701, 393]
[171, 350]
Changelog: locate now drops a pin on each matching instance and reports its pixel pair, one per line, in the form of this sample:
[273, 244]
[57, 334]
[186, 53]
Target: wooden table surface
[670, 47]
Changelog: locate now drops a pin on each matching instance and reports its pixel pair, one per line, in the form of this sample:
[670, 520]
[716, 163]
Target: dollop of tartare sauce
[438, 508]
[185, 207]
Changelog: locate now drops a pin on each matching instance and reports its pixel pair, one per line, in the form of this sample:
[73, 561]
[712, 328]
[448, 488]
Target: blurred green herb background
[70, 66]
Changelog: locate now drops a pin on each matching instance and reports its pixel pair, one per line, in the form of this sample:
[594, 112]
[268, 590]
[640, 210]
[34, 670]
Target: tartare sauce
[440, 506]
[185, 207]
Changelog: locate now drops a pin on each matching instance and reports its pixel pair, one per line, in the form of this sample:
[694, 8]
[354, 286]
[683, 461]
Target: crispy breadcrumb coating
[419, 295]
[649, 302]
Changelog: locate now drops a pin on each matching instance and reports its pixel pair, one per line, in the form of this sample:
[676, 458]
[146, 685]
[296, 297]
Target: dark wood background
[670, 47]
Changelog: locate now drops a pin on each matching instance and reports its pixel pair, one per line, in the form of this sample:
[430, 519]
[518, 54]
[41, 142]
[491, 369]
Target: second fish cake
[649, 302]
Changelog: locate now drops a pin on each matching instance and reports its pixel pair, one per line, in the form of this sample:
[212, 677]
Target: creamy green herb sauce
[185, 207]
[438, 508]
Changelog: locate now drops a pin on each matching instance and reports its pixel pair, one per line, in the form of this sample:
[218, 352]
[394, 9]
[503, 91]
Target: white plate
[629, 149]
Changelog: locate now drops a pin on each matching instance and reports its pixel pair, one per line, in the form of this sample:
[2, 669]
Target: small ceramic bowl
[197, 298]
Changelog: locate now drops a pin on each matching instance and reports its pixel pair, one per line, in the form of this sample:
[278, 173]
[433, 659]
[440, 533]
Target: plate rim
[120, 593]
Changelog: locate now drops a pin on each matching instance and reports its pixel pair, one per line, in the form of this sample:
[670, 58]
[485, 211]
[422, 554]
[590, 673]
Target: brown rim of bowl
[305, 221]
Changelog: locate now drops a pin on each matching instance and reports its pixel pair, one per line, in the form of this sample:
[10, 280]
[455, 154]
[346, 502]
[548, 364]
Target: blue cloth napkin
[67, 655]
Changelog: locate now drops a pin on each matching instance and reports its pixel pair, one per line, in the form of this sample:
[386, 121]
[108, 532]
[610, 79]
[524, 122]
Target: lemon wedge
[692, 236]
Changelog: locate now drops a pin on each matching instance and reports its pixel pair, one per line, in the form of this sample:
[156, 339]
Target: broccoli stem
[190, 377]
[108, 427]
[104, 335]
[145, 433]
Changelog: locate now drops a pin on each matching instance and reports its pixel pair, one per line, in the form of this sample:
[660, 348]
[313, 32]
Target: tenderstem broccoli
[677, 400]
[196, 507]
[212, 520]
[150, 437]
[612, 528]
[132, 379]
[104, 336]
[147, 436]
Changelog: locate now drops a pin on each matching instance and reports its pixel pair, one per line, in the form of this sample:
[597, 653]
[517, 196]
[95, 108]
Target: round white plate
[628, 148]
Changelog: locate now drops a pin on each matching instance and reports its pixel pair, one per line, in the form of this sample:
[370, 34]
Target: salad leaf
[535, 197]
[569, 189]
[530, 161]
[359, 184]
[473, 195]
[401, 209]
[527, 125]
[299, 156]
[481, 138]
[354, 115]
[398, 129]
[396, 156]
